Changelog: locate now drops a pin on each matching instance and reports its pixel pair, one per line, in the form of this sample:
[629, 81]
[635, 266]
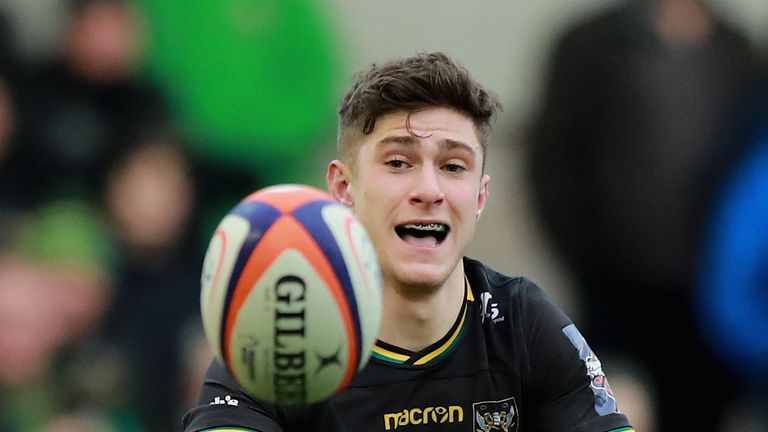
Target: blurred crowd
[642, 171]
[98, 259]
[647, 161]
[106, 205]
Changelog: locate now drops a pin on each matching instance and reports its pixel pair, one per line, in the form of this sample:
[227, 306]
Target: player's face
[418, 188]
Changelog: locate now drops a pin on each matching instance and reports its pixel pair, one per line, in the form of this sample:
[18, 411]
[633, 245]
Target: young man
[461, 347]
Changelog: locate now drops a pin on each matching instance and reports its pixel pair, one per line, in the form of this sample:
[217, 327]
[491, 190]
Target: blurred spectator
[85, 131]
[8, 52]
[79, 423]
[733, 305]
[76, 111]
[8, 64]
[625, 149]
[9, 192]
[7, 117]
[55, 284]
[150, 198]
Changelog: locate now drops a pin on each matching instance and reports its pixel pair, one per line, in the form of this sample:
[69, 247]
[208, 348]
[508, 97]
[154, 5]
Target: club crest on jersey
[605, 402]
[496, 416]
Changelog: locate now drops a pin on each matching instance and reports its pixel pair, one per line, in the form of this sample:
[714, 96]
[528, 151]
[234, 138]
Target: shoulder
[517, 291]
[514, 299]
[562, 378]
[483, 278]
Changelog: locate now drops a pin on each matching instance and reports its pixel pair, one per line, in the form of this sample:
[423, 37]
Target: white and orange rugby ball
[291, 294]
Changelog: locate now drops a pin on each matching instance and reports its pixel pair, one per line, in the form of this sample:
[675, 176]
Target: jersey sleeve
[223, 406]
[568, 388]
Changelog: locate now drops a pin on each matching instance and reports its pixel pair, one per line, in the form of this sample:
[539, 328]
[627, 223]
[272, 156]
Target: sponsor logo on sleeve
[226, 400]
[605, 401]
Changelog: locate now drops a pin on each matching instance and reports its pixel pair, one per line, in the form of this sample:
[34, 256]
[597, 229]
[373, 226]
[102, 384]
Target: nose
[426, 190]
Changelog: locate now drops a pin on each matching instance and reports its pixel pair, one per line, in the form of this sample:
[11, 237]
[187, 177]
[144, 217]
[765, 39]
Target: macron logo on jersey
[424, 416]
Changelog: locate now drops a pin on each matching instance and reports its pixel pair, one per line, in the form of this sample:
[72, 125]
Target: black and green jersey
[512, 362]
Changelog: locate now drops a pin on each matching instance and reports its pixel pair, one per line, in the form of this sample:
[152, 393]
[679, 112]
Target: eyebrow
[410, 140]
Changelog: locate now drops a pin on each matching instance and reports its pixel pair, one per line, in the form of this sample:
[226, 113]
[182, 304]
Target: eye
[397, 164]
[454, 168]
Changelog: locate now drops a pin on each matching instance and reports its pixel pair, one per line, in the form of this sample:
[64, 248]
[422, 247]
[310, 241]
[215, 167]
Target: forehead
[444, 125]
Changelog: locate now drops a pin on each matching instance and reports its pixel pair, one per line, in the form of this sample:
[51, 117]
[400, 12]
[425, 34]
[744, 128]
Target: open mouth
[423, 234]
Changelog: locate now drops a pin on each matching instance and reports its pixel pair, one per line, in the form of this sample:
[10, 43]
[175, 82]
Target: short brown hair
[424, 80]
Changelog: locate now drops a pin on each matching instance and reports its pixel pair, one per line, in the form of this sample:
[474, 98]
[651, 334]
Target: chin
[405, 266]
[423, 275]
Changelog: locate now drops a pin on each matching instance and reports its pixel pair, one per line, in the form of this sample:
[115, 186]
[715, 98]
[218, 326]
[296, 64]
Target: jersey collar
[393, 354]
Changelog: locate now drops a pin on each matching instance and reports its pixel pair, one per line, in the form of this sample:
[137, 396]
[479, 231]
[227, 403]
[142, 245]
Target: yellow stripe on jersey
[389, 354]
[446, 345]
[394, 357]
[470, 296]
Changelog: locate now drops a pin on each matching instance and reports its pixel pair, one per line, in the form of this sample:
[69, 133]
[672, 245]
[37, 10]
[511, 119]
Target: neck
[414, 318]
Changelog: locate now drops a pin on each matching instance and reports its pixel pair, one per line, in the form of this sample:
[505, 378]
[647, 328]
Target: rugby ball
[291, 294]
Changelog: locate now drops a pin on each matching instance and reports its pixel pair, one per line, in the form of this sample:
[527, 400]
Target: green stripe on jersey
[229, 429]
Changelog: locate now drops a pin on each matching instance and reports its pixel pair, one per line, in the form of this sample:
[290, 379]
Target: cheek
[466, 202]
[365, 211]
[370, 195]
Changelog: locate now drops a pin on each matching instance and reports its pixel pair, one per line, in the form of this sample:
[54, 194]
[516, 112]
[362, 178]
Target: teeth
[426, 227]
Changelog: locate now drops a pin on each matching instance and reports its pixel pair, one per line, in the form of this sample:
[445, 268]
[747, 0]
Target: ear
[338, 181]
[483, 194]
